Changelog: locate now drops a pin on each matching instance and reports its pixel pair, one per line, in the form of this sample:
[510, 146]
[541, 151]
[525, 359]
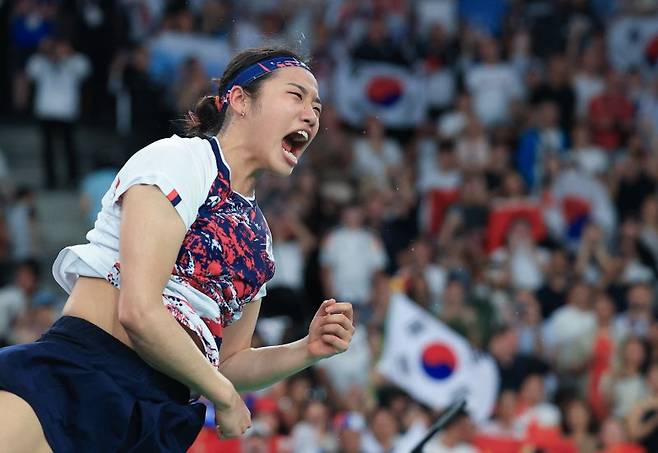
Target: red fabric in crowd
[501, 217]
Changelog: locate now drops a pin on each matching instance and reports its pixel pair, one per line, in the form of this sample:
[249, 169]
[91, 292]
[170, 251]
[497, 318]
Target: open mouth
[293, 144]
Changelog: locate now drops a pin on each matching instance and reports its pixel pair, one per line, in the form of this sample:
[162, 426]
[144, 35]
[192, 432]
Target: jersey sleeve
[183, 173]
[262, 292]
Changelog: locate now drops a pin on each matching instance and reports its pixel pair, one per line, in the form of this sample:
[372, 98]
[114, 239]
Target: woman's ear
[238, 100]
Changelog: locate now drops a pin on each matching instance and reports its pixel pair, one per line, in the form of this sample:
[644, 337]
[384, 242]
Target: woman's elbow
[131, 317]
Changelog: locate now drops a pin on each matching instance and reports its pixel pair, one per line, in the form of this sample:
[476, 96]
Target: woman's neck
[241, 160]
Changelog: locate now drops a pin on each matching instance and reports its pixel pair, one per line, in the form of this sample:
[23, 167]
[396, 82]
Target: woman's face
[288, 103]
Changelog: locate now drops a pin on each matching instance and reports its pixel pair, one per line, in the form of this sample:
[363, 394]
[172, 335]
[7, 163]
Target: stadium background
[496, 161]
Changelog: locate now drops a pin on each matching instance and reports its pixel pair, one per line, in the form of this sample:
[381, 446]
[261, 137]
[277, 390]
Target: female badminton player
[165, 296]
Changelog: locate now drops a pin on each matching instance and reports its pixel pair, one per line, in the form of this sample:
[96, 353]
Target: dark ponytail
[206, 119]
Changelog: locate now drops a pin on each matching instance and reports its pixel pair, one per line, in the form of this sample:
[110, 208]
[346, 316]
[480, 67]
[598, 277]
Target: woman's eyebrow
[304, 91]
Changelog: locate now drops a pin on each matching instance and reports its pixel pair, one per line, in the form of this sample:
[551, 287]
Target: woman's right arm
[150, 238]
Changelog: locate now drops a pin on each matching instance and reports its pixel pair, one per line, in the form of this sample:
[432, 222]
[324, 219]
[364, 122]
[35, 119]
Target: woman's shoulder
[176, 153]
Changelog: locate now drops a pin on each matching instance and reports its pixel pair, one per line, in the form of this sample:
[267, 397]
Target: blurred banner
[392, 93]
[432, 363]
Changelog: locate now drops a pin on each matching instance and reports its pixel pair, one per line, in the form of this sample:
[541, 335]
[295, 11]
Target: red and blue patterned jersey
[226, 253]
[225, 258]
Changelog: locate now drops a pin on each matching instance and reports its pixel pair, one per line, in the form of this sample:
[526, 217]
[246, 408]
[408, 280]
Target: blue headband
[255, 71]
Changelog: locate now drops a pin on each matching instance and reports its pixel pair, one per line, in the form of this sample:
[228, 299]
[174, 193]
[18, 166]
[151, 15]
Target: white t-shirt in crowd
[493, 87]
[58, 85]
[353, 256]
[375, 164]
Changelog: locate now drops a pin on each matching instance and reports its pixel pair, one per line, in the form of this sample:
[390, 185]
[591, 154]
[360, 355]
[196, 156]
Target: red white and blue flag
[433, 363]
[392, 93]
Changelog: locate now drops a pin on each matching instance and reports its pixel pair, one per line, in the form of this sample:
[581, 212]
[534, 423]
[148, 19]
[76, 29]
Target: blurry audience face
[513, 185]
[591, 59]
[520, 234]
[614, 83]
[350, 441]
[559, 263]
[446, 158]
[634, 355]
[612, 432]
[579, 296]
[640, 298]
[300, 389]
[529, 308]
[504, 345]
[26, 279]
[578, 416]
[383, 425]
[353, 217]
[532, 390]
[499, 157]
[489, 51]
[461, 430]
[549, 115]
[604, 309]
[317, 414]
[454, 294]
[141, 59]
[421, 254]
[506, 410]
[377, 30]
[374, 128]
[62, 49]
[474, 191]
[558, 71]
[580, 136]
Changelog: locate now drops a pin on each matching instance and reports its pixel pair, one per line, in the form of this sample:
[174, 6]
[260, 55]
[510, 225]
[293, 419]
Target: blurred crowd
[521, 210]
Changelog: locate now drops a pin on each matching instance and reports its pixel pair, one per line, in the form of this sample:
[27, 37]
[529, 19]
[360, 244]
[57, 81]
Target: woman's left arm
[250, 368]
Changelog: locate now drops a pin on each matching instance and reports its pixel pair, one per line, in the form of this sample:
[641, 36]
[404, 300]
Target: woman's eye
[296, 94]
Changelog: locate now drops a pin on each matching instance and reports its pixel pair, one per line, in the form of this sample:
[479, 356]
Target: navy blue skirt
[93, 393]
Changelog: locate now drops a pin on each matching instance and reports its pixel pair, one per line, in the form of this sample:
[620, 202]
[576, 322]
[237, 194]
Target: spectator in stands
[378, 44]
[58, 73]
[377, 159]
[533, 408]
[568, 332]
[493, 84]
[614, 438]
[350, 257]
[456, 437]
[15, 299]
[643, 417]
[611, 113]
[557, 90]
[624, 384]
[578, 426]
[382, 434]
[539, 143]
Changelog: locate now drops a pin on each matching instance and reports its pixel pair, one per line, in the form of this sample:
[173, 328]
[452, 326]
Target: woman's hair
[206, 118]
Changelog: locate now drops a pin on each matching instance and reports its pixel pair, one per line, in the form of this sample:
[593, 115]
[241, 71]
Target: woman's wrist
[224, 395]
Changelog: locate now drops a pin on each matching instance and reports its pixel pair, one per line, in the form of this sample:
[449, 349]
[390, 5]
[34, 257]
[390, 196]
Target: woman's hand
[232, 420]
[331, 329]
